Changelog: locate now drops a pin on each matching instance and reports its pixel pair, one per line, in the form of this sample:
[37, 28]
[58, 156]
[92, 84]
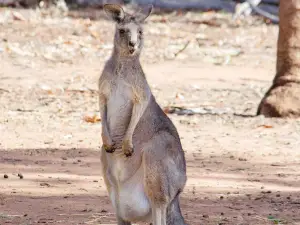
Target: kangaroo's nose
[131, 43]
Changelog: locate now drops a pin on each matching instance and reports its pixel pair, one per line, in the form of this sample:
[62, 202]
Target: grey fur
[143, 163]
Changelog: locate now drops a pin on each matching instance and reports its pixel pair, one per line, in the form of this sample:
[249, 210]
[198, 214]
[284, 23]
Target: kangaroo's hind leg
[122, 222]
[164, 174]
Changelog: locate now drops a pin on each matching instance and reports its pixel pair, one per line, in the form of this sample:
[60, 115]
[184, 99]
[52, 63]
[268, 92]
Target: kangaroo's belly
[134, 205]
[127, 193]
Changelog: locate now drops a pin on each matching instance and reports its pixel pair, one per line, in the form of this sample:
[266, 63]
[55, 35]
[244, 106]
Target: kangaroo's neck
[123, 61]
[129, 62]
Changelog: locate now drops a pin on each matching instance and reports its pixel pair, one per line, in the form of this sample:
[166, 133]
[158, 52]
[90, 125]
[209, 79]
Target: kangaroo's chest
[119, 108]
[120, 95]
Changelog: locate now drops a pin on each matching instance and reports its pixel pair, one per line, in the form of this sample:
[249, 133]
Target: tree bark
[283, 97]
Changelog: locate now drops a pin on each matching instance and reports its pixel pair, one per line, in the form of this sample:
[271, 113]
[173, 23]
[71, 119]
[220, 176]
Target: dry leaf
[266, 126]
[18, 16]
[68, 43]
[95, 34]
[92, 119]
[167, 110]
[179, 96]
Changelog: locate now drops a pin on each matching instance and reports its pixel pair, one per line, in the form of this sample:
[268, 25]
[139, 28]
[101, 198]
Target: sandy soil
[242, 169]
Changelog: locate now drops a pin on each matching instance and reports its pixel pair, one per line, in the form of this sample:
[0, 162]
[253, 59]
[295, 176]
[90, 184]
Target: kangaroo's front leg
[140, 103]
[106, 139]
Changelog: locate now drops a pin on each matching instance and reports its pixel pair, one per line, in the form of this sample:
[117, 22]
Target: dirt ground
[242, 169]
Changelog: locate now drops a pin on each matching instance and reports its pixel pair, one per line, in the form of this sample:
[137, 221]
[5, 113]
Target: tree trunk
[283, 98]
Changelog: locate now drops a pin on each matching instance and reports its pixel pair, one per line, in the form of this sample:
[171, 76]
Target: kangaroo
[143, 163]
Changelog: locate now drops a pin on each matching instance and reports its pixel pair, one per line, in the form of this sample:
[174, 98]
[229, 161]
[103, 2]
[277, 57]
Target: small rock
[69, 136]
[266, 192]
[5, 176]
[242, 159]
[20, 175]
[44, 184]
[63, 158]
[205, 216]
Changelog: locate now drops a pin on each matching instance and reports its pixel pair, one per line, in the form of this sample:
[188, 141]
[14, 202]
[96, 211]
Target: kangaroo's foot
[122, 222]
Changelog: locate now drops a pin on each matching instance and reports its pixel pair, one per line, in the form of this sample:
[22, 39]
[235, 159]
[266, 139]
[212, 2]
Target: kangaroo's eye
[122, 31]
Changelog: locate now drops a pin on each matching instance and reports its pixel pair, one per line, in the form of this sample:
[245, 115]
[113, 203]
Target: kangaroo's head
[129, 30]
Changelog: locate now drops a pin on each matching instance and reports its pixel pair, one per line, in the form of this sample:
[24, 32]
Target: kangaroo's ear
[144, 13]
[115, 12]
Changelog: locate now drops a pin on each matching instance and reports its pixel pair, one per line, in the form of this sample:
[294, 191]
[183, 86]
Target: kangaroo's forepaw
[128, 152]
[127, 149]
[109, 148]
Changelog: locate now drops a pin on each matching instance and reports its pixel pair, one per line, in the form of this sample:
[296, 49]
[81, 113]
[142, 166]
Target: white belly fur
[134, 204]
[130, 200]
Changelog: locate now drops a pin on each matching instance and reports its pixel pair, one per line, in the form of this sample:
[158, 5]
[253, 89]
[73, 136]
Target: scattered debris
[68, 136]
[18, 16]
[184, 47]
[44, 184]
[242, 159]
[92, 119]
[194, 111]
[266, 126]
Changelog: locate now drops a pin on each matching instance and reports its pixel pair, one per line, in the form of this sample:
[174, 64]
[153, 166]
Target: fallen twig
[184, 47]
[4, 90]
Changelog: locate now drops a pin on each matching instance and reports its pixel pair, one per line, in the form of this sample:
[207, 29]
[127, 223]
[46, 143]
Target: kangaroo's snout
[132, 44]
